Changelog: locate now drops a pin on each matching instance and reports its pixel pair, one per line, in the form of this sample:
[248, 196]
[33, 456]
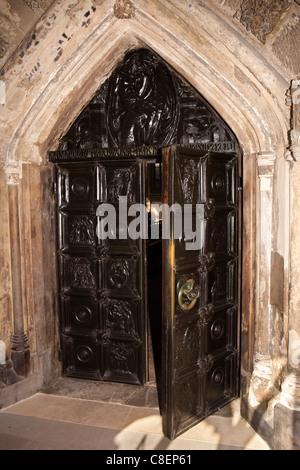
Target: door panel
[102, 291]
[200, 288]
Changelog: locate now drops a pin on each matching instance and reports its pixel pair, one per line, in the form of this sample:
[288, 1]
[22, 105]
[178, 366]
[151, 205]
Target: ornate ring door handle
[188, 295]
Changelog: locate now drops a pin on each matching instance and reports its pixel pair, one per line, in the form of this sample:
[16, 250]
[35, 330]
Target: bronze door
[102, 290]
[200, 287]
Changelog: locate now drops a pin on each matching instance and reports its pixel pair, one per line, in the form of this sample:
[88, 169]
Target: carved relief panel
[145, 103]
[202, 320]
[102, 305]
[141, 105]
[81, 231]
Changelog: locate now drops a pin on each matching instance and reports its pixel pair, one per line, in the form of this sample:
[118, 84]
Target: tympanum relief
[144, 103]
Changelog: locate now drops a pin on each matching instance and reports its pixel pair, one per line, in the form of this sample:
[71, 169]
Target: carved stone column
[20, 354]
[287, 412]
[261, 386]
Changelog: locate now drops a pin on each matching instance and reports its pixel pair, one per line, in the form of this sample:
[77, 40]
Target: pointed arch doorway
[150, 138]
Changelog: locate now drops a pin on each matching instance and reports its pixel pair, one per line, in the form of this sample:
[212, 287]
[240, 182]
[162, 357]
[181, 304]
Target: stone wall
[241, 56]
[17, 20]
[273, 24]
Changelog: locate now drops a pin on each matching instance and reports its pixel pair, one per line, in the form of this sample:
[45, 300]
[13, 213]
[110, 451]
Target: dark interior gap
[154, 275]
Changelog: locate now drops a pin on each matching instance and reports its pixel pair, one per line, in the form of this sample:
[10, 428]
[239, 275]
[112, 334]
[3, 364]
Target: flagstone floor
[74, 415]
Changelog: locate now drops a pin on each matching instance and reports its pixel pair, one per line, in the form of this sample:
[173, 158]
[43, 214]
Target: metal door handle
[188, 294]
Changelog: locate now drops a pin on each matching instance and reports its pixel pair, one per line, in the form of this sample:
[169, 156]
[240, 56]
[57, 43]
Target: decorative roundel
[217, 329]
[84, 354]
[218, 183]
[83, 315]
[217, 377]
[79, 187]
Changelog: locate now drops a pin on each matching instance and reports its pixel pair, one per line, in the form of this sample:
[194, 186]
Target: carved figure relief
[81, 273]
[206, 314]
[201, 129]
[207, 262]
[206, 364]
[188, 170]
[35, 4]
[85, 138]
[121, 184]
[218, 239]
[209, 209]
[219, 287]
[121, 354]
[145, 103]
[187, 350]
[141, 105]
[118, 273]
[81, 231]
[120, 317]
[123, 9]
[262, 16]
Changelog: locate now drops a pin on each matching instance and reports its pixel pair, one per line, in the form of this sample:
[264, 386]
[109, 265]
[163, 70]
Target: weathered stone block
[286, 428]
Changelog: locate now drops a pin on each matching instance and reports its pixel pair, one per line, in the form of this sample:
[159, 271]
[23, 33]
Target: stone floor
[82, 415]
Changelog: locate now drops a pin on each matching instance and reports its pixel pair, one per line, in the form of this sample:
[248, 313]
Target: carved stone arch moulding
[59, 89]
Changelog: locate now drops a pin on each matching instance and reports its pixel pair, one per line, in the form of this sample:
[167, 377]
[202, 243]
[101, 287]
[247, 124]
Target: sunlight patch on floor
[139, 428]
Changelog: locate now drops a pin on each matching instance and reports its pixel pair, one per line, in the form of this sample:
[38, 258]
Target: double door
[104, 229]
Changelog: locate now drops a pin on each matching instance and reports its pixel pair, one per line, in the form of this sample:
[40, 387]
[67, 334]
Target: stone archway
[243, 98]
[53, 81]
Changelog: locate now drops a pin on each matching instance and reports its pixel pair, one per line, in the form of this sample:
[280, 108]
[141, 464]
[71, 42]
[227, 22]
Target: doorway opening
[154, 275]
[142, 311]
